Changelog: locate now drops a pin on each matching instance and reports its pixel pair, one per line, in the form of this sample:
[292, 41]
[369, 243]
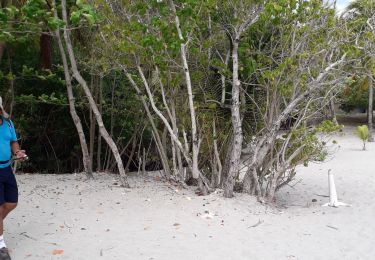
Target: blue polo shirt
[7, 135]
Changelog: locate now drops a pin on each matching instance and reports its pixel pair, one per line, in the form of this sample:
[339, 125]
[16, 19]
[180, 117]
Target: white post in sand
[333, 201]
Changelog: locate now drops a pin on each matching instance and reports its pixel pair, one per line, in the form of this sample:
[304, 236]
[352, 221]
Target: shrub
[363, 133]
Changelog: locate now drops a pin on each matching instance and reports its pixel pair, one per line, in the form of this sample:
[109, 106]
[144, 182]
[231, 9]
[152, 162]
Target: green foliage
[84, 13]
[363, 134]
[327, 127]
[355, 94]
[312, 141]
[359, 19]
[55, 23]
[109, 36]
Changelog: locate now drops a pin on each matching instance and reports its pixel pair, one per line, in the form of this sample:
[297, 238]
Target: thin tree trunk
[216, 156]
[2, 50]
[73, 112]
[172, 118]
[226, 166]
[162, 117]
[174, 157]
[45, 57]
[99, 152]
[92, 121]
[162, 153]
[236, 123]
[107, 157]
[333, 111]
[164, 138]
[144, 161]
[94, 107]
[130, 158]
[176, 153]
[113, 165]
[223, 81]
[175, 131]
[194, 134]
[370, 108]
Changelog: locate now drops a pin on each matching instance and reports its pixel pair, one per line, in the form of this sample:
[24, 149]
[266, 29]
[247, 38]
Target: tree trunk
[225, 170]
[194, 134]
[130, 158]
[223, 81]
[237, 125]
[172, 117]
[164, 139]
[2, 50]
[107, 156]
[175, 131]
[333, 111]
[370, 108]
[99, 151]
[217, 161]
[144, 161]
[45, 58]
[73, 112]
[93, 106]
[162, 152]
[92, 122]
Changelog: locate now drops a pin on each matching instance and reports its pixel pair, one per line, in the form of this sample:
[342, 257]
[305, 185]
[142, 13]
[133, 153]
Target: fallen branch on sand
[332, 227]
[26, 235]
[257, 224]
[320, 195]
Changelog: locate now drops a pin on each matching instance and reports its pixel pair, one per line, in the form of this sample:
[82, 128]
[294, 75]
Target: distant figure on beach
[8, 184]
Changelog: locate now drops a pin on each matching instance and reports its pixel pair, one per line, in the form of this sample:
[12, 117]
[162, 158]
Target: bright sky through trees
[342, 4]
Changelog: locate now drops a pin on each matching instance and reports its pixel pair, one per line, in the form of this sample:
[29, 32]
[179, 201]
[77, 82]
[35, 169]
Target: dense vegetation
[217, 93]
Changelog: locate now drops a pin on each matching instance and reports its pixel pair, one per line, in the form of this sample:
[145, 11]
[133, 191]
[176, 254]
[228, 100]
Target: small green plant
[363, 133]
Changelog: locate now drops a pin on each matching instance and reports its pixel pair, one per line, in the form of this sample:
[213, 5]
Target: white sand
[95, 220]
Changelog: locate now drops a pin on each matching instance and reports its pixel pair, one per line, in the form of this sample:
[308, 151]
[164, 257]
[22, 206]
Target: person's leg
[1, 220]
[2, 203]
[10, 191]
[3, 246]
[6, 208]
[9, 197]
[8, 201]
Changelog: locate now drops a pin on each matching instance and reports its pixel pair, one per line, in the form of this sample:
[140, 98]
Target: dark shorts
[8, 186]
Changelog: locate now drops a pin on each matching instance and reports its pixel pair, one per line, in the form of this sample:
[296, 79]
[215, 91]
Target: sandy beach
[68, 217]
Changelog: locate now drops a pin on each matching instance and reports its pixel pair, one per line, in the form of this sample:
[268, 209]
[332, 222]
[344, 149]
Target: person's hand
[21, 155]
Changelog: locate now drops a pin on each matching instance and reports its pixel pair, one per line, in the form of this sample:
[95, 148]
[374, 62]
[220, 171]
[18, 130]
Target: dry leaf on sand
[57, 251]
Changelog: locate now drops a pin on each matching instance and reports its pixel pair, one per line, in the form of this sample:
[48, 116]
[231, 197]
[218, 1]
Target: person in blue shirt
[8, 184]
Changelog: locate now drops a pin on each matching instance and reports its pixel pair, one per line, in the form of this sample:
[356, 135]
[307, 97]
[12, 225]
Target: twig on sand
[320, 195]
[257, 224]
[26, 235]
[332, 227]
[52, 243]
[292, 185]
[67, 225]
[69, 228]
[101, 250]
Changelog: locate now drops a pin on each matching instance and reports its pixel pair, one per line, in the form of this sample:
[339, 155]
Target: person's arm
[16, 149]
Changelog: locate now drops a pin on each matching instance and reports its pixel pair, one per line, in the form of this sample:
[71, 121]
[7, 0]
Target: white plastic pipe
[333, 201]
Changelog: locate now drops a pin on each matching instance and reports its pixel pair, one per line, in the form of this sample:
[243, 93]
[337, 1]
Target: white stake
[333, 201]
